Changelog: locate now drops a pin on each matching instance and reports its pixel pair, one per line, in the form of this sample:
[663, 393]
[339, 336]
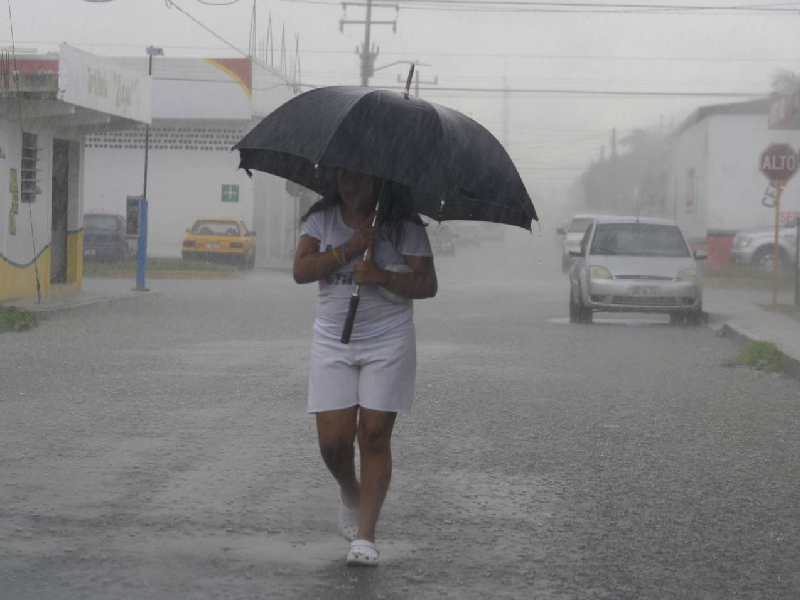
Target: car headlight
[599, 273]
[687, 275]
[744, 242]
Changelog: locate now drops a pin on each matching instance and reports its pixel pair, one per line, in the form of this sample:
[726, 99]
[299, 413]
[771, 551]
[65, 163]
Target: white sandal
[363, 554]
[348, 521]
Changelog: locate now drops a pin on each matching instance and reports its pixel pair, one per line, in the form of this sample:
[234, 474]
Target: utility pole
[368, 52]
[141, 246]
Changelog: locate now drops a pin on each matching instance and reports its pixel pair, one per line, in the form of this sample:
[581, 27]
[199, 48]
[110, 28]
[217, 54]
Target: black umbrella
[455, 168]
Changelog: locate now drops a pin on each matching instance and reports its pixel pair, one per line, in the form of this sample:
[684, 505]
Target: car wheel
[184, 256]
[251, 263]
[677, 318]
[764, 258]
[695, 317]
[573, 309]
[584, 315]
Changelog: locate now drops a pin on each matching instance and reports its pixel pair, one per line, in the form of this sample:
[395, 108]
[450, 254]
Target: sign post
[778, 163]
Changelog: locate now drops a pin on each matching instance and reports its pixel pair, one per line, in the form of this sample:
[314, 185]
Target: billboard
[104, 85]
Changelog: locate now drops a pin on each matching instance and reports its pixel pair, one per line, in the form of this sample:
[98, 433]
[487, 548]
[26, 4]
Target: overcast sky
[551, 138]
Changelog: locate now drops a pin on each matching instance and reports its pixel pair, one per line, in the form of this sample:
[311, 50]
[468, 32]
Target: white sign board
[104, 85]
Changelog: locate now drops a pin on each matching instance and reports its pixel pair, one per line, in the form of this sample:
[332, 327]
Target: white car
[630, 264]
[573, 234]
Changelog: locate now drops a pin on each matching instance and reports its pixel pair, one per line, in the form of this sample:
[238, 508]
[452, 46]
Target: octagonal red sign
[779, 162]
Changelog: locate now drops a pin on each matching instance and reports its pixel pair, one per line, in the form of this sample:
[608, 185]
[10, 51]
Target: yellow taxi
[220, 239]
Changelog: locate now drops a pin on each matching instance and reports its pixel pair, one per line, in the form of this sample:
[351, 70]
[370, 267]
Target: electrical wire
[22, 132]
[171, 4]
[576, 8]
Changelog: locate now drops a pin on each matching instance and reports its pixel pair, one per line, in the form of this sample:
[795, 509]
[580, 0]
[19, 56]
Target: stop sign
[779, 162]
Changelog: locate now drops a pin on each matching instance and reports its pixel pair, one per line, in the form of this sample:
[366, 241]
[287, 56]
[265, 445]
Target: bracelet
[336, 256]
[344, 257]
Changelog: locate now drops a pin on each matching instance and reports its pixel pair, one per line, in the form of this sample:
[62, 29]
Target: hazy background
[525, 46]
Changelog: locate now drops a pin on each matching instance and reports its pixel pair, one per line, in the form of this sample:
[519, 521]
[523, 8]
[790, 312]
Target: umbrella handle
[356, 297]
[351, 317]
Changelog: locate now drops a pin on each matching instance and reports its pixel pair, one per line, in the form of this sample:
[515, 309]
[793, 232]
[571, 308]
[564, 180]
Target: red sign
[779, 162]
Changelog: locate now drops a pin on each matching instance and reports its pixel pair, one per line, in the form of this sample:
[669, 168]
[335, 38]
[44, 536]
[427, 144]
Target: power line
[587, 92]
[581, 57]
[574, 8]
[171, 4]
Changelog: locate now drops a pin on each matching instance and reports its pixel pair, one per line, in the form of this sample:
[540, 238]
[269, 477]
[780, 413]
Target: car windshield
[100, 222]
[228, 228]
[579, 225]
[638, 239]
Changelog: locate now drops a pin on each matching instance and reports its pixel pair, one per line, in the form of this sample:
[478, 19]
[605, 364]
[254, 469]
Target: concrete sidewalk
[94, 292]
[743, 314]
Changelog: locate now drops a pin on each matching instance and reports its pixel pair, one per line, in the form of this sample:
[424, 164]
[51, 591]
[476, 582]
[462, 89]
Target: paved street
[164, 452]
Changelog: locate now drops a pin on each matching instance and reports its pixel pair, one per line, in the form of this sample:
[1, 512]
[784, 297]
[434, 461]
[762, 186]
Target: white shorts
[377, 374]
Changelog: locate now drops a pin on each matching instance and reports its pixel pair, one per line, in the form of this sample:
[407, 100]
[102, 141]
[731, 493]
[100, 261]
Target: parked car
[630, 264]
[756, 247]
[220, 239]
[104, 237]
[573, 234]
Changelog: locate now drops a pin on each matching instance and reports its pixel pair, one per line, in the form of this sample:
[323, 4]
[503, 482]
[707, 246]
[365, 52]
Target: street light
[141, 246]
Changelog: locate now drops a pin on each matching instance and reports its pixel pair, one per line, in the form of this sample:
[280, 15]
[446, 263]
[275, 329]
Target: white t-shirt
[376, 315]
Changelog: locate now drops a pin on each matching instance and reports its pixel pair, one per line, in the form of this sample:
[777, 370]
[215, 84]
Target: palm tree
[785, 82]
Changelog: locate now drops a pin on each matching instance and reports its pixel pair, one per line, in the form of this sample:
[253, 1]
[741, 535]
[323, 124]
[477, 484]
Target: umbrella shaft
[357, 289]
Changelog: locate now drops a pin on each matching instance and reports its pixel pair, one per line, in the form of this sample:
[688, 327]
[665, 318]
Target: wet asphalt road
[162, 451]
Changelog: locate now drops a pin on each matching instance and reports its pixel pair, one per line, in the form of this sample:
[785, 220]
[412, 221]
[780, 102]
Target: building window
[28, 182]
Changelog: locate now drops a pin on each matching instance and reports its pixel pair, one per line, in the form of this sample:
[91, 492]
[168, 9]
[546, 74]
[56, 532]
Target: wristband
[336, 256]
[344, 256]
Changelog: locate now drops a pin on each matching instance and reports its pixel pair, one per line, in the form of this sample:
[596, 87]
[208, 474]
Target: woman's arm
[419, 284]
[312, 265]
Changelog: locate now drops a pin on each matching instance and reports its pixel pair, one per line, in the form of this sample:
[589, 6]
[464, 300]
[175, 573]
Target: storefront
[45, 113]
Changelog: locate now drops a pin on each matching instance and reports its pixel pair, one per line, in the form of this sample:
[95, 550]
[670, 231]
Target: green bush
[16, 319]
[760, 355]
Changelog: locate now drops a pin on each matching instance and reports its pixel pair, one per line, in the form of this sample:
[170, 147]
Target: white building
[201, 108]
[714, 185]
[45, 112]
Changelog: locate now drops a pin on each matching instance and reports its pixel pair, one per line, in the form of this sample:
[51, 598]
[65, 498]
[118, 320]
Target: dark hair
[396, 207]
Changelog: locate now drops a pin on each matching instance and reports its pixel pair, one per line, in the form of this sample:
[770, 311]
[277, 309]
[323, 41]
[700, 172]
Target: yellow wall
[19, 281]
[75, 257]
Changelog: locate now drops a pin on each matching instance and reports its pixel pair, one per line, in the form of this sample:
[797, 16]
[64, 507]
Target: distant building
[60, 98]
[714, 185]
[201, 108]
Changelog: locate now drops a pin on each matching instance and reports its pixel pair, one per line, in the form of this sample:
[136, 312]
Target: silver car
[630, 264]
[573, 233]
[756, 247]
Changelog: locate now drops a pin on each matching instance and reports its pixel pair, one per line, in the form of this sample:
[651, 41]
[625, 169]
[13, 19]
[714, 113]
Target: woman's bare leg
[336, 430]
[374, 437]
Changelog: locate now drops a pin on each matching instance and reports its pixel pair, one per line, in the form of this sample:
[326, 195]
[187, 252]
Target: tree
[785, 82]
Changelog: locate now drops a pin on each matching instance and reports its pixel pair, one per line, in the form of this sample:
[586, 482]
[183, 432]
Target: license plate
[215, 246]
[643, 291]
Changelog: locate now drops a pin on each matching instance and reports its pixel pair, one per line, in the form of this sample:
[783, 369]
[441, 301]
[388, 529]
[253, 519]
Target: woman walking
[357, 389]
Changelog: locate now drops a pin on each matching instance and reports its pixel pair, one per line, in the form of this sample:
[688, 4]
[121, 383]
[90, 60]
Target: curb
[49, 311]
[172, 275]
[791, 365]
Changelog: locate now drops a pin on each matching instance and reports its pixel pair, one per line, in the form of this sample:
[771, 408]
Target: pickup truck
[756, 247]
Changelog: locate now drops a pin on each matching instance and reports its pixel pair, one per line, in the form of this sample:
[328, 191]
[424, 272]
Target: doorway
[60, 212]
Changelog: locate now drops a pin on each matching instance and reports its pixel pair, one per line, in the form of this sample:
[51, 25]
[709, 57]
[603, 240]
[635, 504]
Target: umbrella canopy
[454, 167]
